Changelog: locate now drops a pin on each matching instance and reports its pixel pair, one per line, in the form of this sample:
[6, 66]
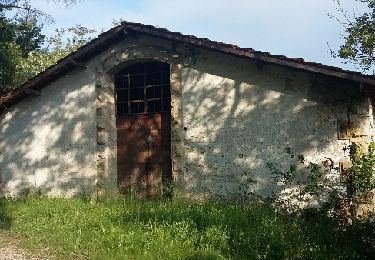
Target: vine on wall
[335, 189]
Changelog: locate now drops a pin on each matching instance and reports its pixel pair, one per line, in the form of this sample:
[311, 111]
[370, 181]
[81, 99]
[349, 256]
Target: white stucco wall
[240, 115]
[48, 141]
[230, 117]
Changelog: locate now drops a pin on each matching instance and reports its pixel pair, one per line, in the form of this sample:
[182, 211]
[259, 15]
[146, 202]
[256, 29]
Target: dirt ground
[10, 249]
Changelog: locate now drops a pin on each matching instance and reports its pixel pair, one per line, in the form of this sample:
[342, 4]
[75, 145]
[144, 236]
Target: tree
[56, 47]
[359, 41]
[9, 52]
[20, 35]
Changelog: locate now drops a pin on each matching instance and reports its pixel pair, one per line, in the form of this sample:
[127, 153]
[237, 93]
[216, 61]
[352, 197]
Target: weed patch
[163, 229]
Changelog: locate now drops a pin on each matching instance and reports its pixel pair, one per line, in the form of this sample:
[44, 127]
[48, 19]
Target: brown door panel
[143, 153]
[143, 127]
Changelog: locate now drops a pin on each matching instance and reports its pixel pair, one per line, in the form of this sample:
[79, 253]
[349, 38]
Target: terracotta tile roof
[116, 34]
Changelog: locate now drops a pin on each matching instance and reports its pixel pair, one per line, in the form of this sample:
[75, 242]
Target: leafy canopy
[359, 41]
[56, 47]
[24, 50]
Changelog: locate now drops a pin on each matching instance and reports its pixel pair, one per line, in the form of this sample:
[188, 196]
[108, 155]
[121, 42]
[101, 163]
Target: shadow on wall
[239, 116]
[49, 141]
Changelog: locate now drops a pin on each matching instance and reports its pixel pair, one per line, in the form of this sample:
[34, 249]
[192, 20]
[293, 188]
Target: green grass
[158, 229]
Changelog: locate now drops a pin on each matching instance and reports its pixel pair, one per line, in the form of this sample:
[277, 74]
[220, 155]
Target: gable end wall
[230, 117]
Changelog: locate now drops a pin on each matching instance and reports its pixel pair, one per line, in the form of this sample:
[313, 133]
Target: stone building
[141, 107]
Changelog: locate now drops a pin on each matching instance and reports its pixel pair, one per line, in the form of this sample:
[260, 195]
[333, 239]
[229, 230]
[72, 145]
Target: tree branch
[12, 6]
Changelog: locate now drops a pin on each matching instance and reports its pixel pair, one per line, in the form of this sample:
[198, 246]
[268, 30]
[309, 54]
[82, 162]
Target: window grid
[135, 98]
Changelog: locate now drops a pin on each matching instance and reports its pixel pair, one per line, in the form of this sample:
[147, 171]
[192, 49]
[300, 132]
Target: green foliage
[362, 170]
[18, 36]
[324, 183]
[21, 41]
[164, 229]
[64, 42]
[303, 182]
[10, 53]
[359, 41]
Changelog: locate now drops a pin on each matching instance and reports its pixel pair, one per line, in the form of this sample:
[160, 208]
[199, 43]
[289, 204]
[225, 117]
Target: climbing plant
[334, 188]
[359, 177]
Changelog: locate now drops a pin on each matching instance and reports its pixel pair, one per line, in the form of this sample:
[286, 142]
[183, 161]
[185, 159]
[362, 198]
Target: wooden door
[143, 128]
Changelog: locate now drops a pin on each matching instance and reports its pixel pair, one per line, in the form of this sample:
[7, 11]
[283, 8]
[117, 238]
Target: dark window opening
[122, 95]
[154, 106]
[143, 88]
[153, 92]
[153, 78]
[167, 104]
[136, 94]
[166, 91]
[137, 81]
[137, 107]
[122, 109]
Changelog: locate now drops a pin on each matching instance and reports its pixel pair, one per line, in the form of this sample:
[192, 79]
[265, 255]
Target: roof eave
[234, 50]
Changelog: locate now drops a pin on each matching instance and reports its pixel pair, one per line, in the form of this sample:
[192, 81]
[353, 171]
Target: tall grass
[159, 229]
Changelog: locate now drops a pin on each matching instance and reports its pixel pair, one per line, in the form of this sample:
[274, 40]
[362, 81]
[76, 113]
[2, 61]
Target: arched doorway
[143, 121]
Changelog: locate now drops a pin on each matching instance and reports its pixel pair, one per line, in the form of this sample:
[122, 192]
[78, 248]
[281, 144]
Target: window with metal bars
[143, 88]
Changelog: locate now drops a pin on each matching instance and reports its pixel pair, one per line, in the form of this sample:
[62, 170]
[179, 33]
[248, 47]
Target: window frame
[161, 84]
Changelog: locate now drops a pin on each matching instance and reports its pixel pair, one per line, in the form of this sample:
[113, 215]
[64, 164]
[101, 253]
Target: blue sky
[295, 28]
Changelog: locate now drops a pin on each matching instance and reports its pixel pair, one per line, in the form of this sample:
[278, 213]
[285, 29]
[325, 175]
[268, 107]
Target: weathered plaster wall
[240, 115]
[230, 116]
[48, 141]
[64, 142]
